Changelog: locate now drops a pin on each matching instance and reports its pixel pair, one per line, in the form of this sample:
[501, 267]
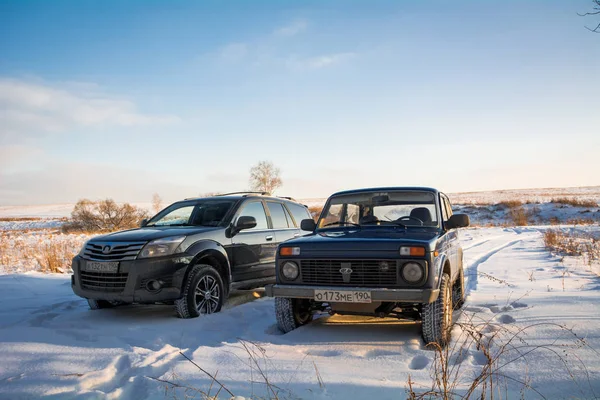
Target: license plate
[343, 296]
[94, 266]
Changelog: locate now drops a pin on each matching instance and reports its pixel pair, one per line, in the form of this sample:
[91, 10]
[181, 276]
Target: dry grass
[260, 380]
[19, 219]
[498, 346]
[510, 203]
[575, 202]
[573, 244]
[519, 216]
[50, 253]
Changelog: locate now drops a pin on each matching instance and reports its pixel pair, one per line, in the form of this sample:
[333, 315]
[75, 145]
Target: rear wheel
[203, 293]
[437, 316]
[292, 313]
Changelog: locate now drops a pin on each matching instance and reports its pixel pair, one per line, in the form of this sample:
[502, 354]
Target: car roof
[237, 197]
[388, 189]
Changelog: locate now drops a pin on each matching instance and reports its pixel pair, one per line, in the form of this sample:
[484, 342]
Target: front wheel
[437, 316]
[292, 313]
[203, 293]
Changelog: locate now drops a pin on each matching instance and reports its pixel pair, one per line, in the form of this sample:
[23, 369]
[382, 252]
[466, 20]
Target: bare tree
[265, 177]
[103, 216]
[596, 11]
[157, 203]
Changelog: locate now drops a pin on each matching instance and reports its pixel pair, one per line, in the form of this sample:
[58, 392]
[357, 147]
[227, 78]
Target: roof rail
[244, 192]
[287, 198]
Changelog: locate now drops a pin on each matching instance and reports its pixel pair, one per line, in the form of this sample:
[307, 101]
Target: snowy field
[52, 346]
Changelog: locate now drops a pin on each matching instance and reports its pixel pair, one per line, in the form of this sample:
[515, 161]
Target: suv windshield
[401, 208]
[201, 213]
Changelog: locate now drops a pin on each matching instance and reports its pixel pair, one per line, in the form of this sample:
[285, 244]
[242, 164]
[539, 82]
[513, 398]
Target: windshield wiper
[341, 223]
[182, 224]
[393, 223]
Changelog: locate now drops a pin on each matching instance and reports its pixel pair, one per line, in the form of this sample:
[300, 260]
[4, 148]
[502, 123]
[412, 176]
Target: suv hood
[147, 234]
[362, 240]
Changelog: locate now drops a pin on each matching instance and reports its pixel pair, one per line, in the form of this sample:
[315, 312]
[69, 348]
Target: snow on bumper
[398, 295]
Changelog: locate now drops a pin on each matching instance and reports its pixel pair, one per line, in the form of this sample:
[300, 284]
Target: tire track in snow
[472, 270]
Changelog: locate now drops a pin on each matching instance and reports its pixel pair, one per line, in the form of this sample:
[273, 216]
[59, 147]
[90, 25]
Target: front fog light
[412, 272]
[290, 270]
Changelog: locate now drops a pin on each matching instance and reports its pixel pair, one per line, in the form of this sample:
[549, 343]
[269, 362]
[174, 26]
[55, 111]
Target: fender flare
[210, 248]
[438, 265]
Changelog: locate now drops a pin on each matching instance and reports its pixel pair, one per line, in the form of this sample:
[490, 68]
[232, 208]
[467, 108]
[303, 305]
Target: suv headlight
[161, 247]
[412, 272]
[290, 270]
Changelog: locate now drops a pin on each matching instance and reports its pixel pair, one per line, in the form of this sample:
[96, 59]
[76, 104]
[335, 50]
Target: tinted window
[177, 216]
[447, 208]
[256, 210]
[299, 212]
[277, 215]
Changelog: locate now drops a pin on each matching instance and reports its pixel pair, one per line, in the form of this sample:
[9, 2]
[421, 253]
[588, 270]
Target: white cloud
[32, 108]
[292, 29]
[319, 62]
[233, 52]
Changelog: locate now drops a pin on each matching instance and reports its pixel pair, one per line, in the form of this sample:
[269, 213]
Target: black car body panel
[244, 259]
[357, 256]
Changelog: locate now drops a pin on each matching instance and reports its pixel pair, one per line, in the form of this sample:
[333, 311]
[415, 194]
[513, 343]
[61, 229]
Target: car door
[451, 236]
[282, 222]
[298, 212]
[253, 250]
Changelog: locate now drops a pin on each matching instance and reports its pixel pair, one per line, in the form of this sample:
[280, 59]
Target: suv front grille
[118, 251]
[103, 281]
[367, 273]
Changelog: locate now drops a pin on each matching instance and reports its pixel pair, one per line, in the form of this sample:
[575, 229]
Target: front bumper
[394, 295]
[170, 270]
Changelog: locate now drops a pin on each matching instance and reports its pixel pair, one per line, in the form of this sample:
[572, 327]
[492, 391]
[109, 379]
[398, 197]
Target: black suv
[376, 252]
[192, 253]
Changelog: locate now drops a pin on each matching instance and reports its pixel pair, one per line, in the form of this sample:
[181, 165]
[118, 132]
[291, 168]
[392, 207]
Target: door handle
[269, 238]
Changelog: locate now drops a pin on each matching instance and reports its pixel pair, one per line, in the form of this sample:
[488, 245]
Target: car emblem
[106, 250]
[346, 272]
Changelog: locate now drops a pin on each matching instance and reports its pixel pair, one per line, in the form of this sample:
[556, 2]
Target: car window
[255, 209]
[178, 216]
[444, 212]
[447, 208]
[408, 208]
[299, 212]
[278, 216]
[353, 213]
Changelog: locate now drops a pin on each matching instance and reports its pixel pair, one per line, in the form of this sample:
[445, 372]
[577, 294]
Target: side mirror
[245, 222]
[458, 221]
[308, 225]
[144, 222]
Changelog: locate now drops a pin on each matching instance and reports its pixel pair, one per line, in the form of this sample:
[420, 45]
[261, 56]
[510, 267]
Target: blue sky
[123, 99]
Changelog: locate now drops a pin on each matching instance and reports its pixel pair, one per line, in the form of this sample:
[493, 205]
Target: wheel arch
[214, 254]
[442, 266]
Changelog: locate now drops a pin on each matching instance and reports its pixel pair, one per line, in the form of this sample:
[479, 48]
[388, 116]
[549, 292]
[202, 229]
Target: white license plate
[343, 296]
[94, 266]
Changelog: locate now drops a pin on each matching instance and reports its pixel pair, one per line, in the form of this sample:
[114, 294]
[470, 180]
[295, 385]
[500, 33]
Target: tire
[437, 316]
[203, 293]
[291, 313]
[458, 291]
[99, 304]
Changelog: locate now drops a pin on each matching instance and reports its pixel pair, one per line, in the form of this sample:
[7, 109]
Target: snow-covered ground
[52, 345]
